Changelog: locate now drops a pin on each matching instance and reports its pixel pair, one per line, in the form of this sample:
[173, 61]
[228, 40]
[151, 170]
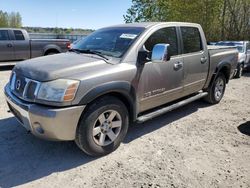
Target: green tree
[3, 19]
[15, 20]
[220, 19]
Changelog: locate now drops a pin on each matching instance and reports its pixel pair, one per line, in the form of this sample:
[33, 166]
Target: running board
[163, 110]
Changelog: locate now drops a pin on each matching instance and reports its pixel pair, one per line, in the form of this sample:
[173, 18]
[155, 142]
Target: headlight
[61, 90]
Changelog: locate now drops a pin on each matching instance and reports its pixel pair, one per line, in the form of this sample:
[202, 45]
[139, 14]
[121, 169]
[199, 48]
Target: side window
[18, 35]
[165, 35]
[4, 35]
[191, 39]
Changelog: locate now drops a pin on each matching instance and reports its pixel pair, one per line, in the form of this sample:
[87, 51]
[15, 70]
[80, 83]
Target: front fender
[119, 88]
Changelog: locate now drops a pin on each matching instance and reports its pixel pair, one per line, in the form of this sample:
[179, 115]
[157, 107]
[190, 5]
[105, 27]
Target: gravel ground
[196, 146]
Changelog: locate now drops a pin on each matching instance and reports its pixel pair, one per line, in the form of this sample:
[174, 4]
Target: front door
[6, 47]
[161, 82]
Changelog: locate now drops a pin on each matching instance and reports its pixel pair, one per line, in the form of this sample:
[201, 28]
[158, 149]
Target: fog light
[38, 128]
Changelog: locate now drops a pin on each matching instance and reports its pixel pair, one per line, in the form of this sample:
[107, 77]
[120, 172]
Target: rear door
[21, 46]
[6, 46]
[196, 62]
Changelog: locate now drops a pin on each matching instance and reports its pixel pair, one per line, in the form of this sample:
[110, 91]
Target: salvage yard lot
[196, 146]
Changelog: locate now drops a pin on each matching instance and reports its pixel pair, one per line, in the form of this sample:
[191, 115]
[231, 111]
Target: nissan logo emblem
[18, 84]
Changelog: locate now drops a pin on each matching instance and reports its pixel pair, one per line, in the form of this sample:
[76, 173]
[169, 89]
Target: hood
[59, 66]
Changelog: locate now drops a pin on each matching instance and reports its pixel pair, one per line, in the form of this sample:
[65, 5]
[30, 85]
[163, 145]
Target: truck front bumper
[45, 122]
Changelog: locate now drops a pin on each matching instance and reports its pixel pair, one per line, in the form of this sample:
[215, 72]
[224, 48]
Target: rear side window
[4, 35]
[18, 35]
[191, 39]
[165, 35]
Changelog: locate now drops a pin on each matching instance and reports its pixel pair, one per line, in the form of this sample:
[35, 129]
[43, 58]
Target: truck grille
[23, 88]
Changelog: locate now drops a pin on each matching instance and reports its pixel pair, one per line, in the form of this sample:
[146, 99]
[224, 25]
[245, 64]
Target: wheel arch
[225, 68]
[51, 48]
[121, 90]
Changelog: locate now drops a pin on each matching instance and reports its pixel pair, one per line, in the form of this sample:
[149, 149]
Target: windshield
[110, 41]
[238, 45]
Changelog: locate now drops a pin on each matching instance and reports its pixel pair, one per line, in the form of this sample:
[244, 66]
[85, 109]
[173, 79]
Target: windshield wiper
[90, 52]
[95, 53]
[74, 50]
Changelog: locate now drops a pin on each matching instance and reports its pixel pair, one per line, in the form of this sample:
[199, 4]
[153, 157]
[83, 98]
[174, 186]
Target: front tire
[102, 127]
[216, 90]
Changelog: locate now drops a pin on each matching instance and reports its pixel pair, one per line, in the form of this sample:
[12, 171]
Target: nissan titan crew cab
[116, 76]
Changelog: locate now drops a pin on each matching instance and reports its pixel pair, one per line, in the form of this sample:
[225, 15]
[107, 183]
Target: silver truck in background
[16, 45]
[115, 76]
[243, 48]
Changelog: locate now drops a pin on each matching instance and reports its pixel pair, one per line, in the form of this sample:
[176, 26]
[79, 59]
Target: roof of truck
[151, 24]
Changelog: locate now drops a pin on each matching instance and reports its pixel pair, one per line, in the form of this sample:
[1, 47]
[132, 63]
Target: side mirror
[160, 53]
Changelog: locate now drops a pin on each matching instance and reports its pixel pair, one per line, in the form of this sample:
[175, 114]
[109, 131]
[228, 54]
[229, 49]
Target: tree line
[12, 19]
[57, 30]
[220, 19]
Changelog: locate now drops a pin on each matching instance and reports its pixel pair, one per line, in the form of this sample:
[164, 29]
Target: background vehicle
[16, 45]
[243, 57]
[115, 76]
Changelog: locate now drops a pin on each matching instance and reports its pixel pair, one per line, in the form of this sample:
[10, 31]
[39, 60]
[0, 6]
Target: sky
[85, 14]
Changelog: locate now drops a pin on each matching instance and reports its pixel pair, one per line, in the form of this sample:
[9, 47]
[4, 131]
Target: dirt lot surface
[196, 146]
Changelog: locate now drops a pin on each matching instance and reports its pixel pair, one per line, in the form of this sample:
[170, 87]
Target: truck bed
[218, 54]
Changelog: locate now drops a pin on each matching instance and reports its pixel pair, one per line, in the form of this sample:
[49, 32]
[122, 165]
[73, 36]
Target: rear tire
[216, 90]
[239, 71]
[102, 127]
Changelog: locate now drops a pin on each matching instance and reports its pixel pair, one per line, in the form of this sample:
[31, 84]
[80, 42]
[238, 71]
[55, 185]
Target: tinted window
[191, 39]
[4, 35]
[167, 36]
[18, 35]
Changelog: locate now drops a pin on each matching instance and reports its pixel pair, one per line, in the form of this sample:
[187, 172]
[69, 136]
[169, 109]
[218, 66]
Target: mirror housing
[160, 53]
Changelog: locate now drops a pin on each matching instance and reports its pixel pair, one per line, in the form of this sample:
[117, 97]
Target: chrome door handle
[203, 60]
[178, 65]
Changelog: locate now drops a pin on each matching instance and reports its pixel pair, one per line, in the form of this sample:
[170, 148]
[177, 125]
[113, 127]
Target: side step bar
[163, 110]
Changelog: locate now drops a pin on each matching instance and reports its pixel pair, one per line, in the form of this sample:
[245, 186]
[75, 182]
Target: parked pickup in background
[116, 76]
[243, 57]
[15, 45]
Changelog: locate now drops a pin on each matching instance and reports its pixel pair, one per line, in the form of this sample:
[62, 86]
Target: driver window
[165, 35]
